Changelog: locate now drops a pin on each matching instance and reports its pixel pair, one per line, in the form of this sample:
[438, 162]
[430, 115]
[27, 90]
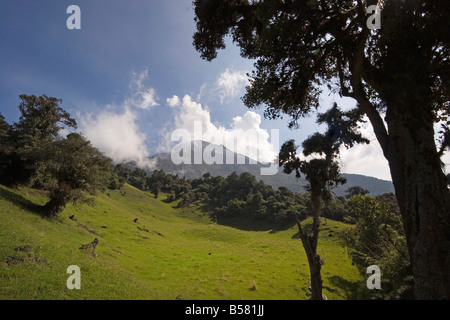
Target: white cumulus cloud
[115, 131]
[117, 136]
[174, 101]
[244, 135]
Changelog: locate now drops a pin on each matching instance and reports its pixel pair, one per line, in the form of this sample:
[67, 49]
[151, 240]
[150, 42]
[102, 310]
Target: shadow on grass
[21, 202]
[241, 223]
[307, 228]
[351, 288]
[248, 224]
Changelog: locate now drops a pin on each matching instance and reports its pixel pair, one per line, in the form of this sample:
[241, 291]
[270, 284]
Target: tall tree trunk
[424, 201]
[310, 245]
[420, 184]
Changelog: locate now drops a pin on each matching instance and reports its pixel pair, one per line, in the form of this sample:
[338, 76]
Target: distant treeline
[233, 196]
[239, 195]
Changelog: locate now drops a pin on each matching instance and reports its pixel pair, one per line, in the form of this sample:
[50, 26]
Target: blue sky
[116, 74]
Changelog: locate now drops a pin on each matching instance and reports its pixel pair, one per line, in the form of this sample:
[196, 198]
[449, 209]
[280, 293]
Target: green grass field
[169, 253]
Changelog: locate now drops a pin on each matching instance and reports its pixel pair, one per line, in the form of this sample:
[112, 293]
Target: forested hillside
[190, 171]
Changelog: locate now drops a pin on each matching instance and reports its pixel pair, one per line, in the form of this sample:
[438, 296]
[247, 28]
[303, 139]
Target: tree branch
[357, 69]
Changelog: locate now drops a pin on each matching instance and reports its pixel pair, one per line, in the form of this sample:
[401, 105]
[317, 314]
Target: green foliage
[113, 181]
[167, 183]
[138, 179]
[355, 190]
[66, 167]
[156, 189]
[40, 117]
[233, 196]
[299, 45]
[74, 168]
[242, 196]
[38, 127]
[379, 239]
[157, 182]
[123, 173]
[335, 210]
[5, 147]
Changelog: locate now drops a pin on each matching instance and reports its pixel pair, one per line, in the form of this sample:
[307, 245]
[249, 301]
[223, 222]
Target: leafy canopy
[300, 45]
[40, 117]
[323, 173]
[32, 151]
[74, 169]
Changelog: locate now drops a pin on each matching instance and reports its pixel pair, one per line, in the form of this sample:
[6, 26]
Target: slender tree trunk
[310, 245]
[424, 201]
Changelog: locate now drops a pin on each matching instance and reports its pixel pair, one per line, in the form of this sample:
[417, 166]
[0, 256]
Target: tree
[123, 172]
[322, 175]
[33, 150]
[353, 191]
[5, 147]
[75, 168]
[138, 178]
[40, 117]
[335, 210]
[378, 239]
[156, 189]
[39, 124]
[181, 186]
[114, 181]
[399, 76]
[4, 129]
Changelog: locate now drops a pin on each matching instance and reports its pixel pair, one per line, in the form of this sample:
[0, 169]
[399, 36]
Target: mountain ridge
[241, 163]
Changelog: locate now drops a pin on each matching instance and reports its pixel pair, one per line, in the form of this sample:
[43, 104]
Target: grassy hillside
[168, 253]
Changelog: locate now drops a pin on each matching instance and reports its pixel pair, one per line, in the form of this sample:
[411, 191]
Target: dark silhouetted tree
[5, 148]
[322, 175]
[399, 75]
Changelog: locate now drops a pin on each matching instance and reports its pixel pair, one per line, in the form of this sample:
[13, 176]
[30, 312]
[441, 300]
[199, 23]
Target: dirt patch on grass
[24, 254]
